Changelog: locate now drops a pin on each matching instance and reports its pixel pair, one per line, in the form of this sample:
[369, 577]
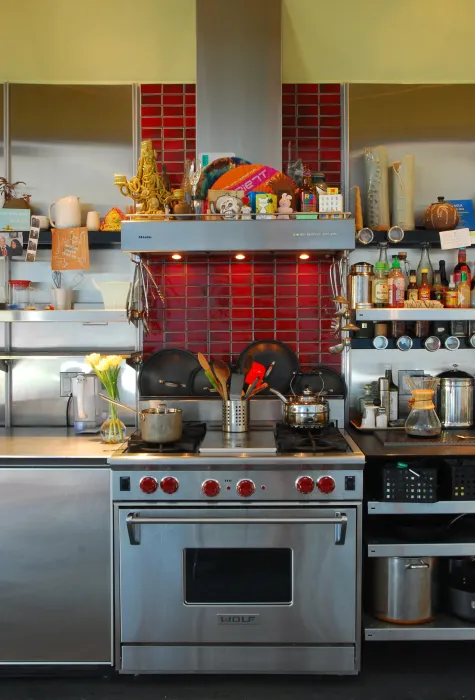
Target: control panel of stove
[282, 485]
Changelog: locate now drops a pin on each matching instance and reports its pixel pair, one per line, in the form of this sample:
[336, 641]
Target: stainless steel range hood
[239, 110]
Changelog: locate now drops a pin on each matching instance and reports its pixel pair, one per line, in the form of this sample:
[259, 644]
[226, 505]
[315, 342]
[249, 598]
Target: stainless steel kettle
[455, 399]
[306, 411]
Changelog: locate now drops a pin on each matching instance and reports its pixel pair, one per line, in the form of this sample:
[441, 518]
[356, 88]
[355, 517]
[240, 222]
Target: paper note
[460, 238]
[70, 249]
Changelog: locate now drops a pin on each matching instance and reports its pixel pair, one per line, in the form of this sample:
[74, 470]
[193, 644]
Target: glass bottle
[472, 294]
[396, 286]
[308, 197]
[424, 287]
[403, 261]
[462, 266]
[380, 286]
[443, 274]
[412, 291]
[393, 394]
[366, 399]
[425, 264]
[438, 290]
[464, 292]
[383, 253]
[451, 295]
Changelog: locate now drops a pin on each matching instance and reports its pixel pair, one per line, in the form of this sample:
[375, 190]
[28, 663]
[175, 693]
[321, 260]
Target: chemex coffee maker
[88, 409]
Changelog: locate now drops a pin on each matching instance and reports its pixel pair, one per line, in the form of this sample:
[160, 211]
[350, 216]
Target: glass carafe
[422, 421]
[425, 264]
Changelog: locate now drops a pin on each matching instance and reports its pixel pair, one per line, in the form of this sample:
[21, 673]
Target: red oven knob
[304, 484]
[148, 484]
[210, 488]
[245, 488]
[326, 484]
[169, 485]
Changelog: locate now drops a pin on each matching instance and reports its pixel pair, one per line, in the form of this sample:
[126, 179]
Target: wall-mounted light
[176, 256]
[304, 256]
[240, 256]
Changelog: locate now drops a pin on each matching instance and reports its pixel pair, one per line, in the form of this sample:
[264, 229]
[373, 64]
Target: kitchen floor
[431, 671]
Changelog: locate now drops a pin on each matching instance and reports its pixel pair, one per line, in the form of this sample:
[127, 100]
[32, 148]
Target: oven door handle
[134, 521]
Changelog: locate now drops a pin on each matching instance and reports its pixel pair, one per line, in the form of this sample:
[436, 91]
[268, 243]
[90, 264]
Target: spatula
[209, 372]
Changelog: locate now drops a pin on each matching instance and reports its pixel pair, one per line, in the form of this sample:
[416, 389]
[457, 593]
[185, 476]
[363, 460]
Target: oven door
[260, 575]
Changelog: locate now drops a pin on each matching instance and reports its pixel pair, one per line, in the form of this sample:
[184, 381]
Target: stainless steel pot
[455, 399]
[360, 286]
[306, 411]
[157, 425]
[404, 589]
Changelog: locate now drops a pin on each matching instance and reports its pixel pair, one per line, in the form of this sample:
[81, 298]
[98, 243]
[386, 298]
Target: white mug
[68, 213]
[93, 221]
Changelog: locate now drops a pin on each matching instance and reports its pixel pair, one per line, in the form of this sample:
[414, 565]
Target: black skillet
[267, 351]
[168, 372]
[333, 382]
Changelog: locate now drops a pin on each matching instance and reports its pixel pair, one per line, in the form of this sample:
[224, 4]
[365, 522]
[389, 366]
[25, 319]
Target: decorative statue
[147, 188]
[246, 209]
[377, 188]
[284, 208]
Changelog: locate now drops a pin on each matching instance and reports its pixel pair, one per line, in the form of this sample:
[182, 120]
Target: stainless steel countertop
[52, 444]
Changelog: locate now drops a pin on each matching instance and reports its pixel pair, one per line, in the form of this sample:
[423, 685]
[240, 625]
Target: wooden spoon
[222, 373]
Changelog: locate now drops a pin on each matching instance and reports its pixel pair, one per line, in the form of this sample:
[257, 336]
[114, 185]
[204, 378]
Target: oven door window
[238, 576]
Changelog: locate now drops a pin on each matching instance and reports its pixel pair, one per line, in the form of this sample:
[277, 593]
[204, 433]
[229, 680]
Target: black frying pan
[267, 351]
[333, 382]
[165, 369]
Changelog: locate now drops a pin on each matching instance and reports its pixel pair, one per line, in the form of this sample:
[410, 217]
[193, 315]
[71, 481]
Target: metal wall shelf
[448, 507]
[412, 239]
[452, 548]
[85, 316]
[97, 239]
[415, 314]
[443, 628]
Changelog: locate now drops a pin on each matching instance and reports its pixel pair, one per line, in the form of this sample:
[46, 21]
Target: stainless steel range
[239, 554]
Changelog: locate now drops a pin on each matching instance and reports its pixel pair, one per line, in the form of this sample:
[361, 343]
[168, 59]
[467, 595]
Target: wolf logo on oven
[238, 619]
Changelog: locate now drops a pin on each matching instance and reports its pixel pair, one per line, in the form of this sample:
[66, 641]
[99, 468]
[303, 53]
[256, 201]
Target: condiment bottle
[412, 291]
[380, 286]
[424, 287]
[396, 286]
[462, 266]
[438, 290]
[451, 295]
[308, 197]
[424, 264]
[443, 274]
[463, 291]
[472, 293]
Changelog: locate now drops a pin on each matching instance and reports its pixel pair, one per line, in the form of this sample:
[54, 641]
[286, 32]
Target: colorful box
[15, 219]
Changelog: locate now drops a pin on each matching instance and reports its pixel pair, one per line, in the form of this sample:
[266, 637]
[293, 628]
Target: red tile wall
[218, 305]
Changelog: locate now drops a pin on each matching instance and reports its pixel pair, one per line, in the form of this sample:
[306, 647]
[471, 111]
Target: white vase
[377, 189]
[402, 193]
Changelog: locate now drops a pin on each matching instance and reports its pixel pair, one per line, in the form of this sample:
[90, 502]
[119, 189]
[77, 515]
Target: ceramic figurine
[228, 206]
[246, 209]
[265, 206]
[284, 208]
[377, 191]
[147, 187]
[402, 184]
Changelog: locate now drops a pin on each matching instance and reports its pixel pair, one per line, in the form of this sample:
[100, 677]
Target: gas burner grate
[311, 440]
[192, 436]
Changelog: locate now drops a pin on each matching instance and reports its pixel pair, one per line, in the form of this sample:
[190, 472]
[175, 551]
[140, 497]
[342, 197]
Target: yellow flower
[115, 360]
[103, 365]
[93, 359]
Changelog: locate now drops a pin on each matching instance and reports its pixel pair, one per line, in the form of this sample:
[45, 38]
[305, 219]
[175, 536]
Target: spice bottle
[412, 291]
[424, 287]
[451, 295]
[461, 265]
[396, 286]
[463, 291]
[380, 286]
[438, 290]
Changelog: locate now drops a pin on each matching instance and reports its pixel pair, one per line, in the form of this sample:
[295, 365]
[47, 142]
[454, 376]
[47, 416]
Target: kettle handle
[52, 224]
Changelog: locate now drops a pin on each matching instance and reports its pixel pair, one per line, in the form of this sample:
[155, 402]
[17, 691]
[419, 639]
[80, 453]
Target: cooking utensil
[404, 589]
[208, 371]
[202, 385]
[56, 277]
[251, 387]
[320, 379]
[307, 410]
[257, 390]
[237, 383]
[76, 281]
[235, 416]
[157, 425]
[269, 369]
[222, 375]
[267, 351]
[462, 587]
[455, 398]
[257, 371]
[466, 437]
[173, 364]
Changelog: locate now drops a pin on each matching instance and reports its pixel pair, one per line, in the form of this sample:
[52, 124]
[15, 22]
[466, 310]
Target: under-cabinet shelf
[443, 628]
[459, 547]
[437, 508]
[85, 316]
[415, 314]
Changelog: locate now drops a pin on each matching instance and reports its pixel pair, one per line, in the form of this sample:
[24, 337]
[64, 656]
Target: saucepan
[157, 425]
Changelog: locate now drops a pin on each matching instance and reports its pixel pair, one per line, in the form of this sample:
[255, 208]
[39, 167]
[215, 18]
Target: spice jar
[398, 328]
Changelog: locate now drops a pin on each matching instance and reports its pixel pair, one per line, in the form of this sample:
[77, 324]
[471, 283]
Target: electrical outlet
[65, 382]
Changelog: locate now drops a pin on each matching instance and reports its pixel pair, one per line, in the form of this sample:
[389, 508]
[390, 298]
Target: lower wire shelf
[443, 628]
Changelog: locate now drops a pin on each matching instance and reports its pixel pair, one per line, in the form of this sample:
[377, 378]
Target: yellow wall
[86, 41]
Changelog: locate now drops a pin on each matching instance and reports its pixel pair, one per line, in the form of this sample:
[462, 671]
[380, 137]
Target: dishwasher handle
[134, 521]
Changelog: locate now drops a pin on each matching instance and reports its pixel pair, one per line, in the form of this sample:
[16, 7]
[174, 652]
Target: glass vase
[113, 430]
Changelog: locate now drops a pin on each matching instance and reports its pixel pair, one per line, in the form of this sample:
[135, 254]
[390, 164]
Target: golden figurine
[147, 188]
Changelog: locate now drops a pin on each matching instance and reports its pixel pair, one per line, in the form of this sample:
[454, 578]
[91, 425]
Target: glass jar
[421, 329]
[398, 328]
[19, 294]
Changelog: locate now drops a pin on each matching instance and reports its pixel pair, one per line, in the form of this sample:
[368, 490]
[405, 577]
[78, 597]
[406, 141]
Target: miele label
[145, 237]
[238, 619]
[313, 234]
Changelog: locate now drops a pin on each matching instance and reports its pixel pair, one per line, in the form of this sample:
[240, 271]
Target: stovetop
[309, 440]
[192, 436]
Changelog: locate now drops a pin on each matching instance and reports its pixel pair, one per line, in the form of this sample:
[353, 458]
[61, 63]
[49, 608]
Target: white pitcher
[68, 213]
